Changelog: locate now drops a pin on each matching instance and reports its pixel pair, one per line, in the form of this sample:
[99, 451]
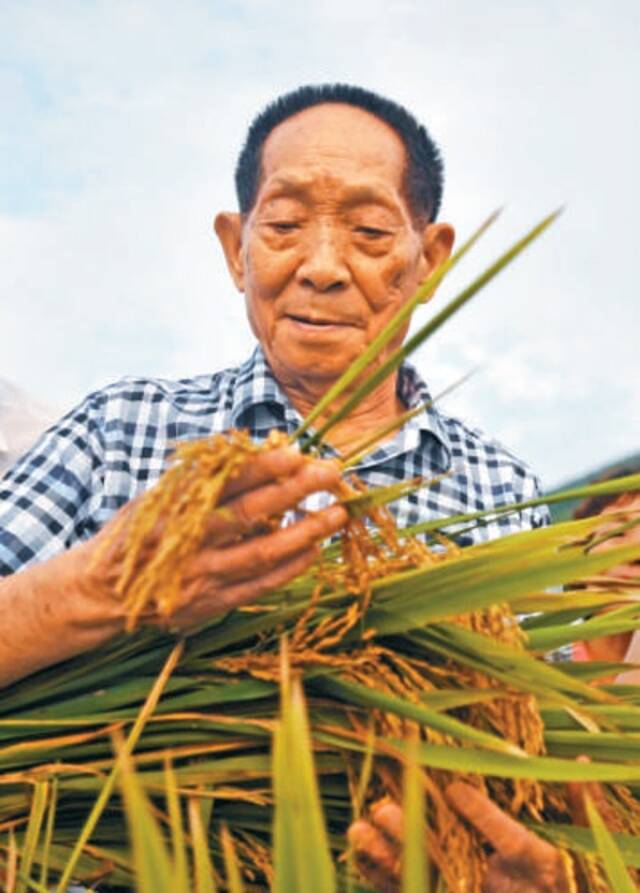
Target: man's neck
[381, 407]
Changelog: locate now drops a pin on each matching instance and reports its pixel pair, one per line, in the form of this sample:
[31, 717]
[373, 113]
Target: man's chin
[312, 367]
[324, 359]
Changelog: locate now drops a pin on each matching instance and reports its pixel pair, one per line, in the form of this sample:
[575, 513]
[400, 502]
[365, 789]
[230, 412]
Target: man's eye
[284, 226]
[372, 232]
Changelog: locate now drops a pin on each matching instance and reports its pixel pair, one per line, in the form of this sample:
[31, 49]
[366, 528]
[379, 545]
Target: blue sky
[121, 122]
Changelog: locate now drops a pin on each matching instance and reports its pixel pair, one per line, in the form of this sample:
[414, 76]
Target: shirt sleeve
[46, 497]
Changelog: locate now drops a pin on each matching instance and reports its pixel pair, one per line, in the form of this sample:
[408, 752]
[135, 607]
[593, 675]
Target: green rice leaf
[415, 868]
[38, 808]
[603, 746]
[450, 699]
[610, 854]
[150, 856]
[365, 772]
[48, 833]
[581, 840]
[602, 488]
[488, 574]
[466, 760]
[622, 620]
[179, 850]
[302, 859]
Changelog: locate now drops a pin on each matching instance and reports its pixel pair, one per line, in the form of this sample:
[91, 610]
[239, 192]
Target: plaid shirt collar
[258, 389]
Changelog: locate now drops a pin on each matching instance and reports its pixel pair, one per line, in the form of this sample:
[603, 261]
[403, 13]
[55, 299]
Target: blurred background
[121, 122]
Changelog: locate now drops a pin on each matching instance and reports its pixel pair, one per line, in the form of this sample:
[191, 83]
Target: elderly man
[339, 191]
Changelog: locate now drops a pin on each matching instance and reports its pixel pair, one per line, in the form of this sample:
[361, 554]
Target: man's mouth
[317, 322]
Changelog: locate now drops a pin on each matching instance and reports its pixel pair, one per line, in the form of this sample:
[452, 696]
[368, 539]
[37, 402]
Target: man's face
[329, 252]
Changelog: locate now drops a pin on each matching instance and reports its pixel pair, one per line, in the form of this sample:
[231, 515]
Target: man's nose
[323, 267]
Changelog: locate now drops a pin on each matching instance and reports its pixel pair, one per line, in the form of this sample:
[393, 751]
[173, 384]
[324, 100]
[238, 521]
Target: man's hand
[522, 862]
[240, 559]
[377, 846]
[69, 604]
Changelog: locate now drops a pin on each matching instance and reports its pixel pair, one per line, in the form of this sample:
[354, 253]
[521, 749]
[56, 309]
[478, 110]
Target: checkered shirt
[116, 443]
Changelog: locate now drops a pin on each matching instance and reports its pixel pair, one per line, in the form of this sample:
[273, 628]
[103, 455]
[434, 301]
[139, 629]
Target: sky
[121, 122]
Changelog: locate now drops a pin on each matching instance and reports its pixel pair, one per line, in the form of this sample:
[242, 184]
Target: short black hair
[424, 173]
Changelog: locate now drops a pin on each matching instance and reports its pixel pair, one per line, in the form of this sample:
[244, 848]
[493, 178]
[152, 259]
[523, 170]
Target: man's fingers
[263, 468]
[247, 592]
[219, 600]
[505, 834]
[389, 818]
[253, 508]
[251, 558]
[376, 858]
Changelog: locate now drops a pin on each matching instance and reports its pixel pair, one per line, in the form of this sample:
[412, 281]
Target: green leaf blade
[612, 860]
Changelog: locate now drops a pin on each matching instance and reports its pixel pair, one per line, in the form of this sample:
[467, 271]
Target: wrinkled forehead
[326, 188]
[338, 139]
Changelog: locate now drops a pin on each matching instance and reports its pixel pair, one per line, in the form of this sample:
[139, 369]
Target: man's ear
[437, 244]
[228, 227]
